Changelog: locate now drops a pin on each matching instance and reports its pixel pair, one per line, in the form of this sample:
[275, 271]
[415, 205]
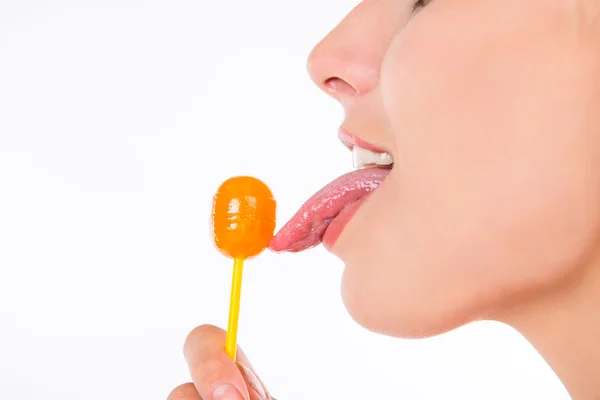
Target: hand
[215, 376]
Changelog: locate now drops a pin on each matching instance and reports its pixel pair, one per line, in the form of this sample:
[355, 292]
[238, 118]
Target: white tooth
[362, 157]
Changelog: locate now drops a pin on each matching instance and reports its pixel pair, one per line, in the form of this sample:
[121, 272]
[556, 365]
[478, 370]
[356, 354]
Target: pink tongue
[308, 225]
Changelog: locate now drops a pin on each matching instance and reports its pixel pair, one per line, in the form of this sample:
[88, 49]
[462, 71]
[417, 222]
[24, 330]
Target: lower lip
[335, 228]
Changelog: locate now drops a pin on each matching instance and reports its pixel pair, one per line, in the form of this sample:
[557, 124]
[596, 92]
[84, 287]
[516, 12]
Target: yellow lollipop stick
[234, 308]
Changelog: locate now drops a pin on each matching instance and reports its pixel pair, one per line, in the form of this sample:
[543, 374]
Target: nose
[341, 72]
[346, 63]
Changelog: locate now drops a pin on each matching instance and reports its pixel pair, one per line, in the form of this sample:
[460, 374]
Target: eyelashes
[420, 4]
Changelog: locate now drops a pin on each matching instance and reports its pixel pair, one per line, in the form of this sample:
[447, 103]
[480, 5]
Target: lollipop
[243, 222]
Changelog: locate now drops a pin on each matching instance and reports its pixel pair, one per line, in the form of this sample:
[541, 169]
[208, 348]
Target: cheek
[495, 189]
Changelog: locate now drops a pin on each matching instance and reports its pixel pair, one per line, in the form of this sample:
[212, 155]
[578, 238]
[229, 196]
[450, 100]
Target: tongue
[308, 225]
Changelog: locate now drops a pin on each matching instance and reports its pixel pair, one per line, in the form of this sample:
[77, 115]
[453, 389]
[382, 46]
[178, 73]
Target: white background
[118, 121]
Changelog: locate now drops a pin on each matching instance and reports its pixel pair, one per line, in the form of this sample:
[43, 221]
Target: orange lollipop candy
[243, 222]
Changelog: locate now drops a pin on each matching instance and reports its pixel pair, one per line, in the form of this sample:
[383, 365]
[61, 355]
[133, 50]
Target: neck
[564, 326]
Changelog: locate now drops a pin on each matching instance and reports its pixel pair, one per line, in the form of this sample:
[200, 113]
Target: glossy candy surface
[243, 217]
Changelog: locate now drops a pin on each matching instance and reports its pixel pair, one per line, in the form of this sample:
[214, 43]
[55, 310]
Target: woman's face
[491, 110]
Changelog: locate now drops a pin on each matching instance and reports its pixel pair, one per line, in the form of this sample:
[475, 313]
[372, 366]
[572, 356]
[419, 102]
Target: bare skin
[491, 109]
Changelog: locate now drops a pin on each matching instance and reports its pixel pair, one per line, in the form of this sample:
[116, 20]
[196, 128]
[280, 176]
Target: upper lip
[349, 140]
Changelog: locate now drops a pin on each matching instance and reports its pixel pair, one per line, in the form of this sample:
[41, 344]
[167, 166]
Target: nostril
[339, 87]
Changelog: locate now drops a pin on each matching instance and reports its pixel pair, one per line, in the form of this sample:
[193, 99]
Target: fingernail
[226, 392]
[255, 386]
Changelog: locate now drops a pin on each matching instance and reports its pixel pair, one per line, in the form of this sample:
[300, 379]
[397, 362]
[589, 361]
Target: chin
[378, 310]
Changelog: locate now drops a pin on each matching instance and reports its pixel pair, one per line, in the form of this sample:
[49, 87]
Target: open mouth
[322, 218]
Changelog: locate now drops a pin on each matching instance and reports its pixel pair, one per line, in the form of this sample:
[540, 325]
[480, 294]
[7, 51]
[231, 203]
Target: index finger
[210, 367]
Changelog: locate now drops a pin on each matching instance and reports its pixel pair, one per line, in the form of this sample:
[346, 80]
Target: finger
[185, 392]
[218, 335]
[212, 371]
[255, 386]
